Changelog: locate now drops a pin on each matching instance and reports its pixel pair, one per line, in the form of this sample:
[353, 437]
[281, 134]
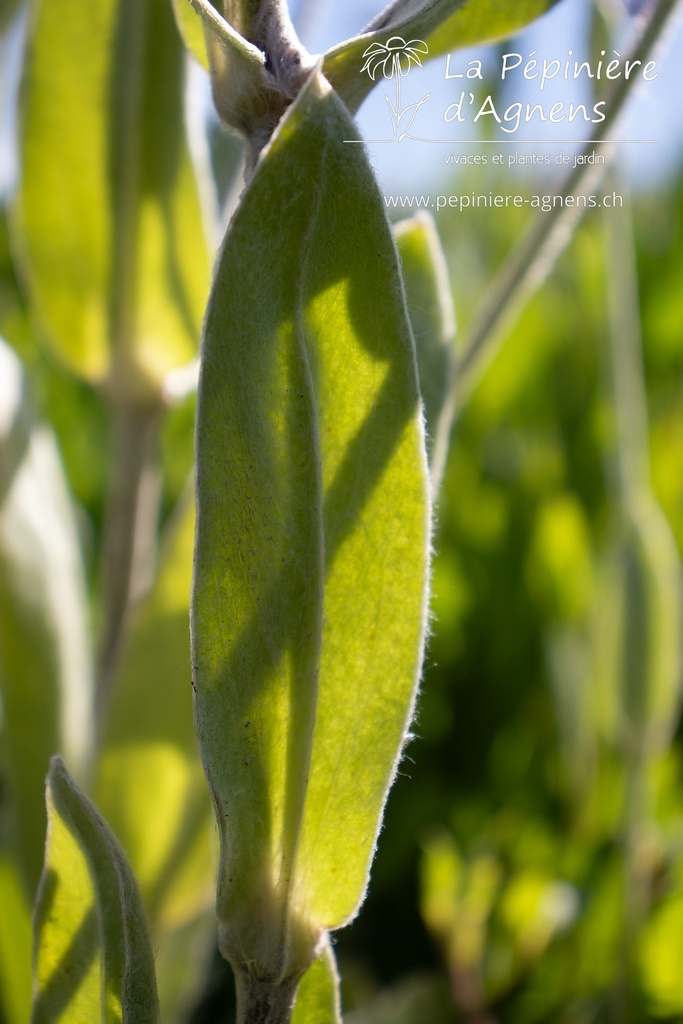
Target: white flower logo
[395, 59]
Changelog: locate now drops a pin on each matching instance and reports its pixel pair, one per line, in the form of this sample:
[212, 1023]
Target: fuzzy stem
[263, 1002]
[224, 30]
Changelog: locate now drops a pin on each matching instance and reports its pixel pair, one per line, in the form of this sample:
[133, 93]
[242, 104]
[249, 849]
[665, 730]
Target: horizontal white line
[519, 142]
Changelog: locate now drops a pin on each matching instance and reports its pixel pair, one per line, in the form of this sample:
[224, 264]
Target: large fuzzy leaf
[444, 25]
[310, 563]
[108, 219]
[93, 956]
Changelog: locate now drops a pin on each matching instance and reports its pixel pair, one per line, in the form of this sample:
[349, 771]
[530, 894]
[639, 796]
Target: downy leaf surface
[93, 956]
[444, 25]
[117, 268]
[308, 611]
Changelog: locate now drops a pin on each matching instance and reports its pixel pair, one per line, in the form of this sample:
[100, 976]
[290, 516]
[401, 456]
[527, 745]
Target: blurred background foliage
[530, 868]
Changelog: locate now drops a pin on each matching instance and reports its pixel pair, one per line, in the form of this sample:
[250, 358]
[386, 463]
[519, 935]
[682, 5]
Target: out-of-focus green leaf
[309, 587]
[108, 220]
[560, 566]
[660, 959]
[456, 900]
[432, 318]
[638, 650]
[441, 882]
[150, 785]
[647, 583]
[443, 24]
[93, 956]
[182, 959]
[572, 678]
[317, 999]
[653, 611]
[191, 30]
[45, 666]
[534, 908]
[15, 947]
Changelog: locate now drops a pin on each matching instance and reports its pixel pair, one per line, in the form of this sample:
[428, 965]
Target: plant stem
[224, 30]
[130, 529]
[529, 264]
[263, 1002]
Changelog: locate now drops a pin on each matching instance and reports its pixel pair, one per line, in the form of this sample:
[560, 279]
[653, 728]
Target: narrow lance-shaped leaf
[649, 599]
[45, 663]
[432, 318]
[648, 586]
[308, 611]
[444, 25]
[108, 222]
[93, 956]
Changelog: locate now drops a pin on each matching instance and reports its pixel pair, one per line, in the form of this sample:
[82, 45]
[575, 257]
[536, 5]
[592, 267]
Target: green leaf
[444, 25]
[93, 957]
[191, 30]
[648, 598]
[108, 219]
[150, 785]
[45, 664]
[659, 961]
[183, 959]
[317, 999]
[636, 648]
[15, 947]
[308, 610]
[456, 900]
[432, 318]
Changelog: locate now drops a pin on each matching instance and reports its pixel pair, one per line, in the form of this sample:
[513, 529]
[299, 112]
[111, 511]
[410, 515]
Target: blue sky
[415, 166]
[653, 113]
